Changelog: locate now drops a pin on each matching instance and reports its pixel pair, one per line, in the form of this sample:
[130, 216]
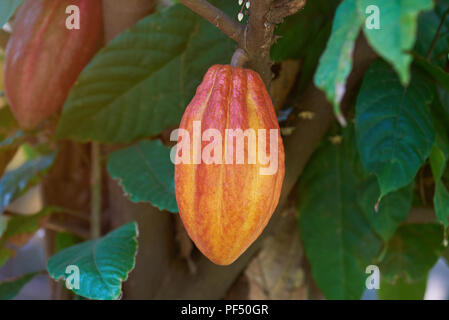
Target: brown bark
[67, 186]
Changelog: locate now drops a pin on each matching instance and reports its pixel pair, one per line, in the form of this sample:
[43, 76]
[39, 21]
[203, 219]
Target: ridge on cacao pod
[44, 58]
[229, 163]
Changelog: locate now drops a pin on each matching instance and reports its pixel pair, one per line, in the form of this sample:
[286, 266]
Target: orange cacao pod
[44, 58]
[225, 204]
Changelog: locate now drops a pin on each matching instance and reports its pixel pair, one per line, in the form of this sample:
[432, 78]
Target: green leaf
[5, 254]
[3, 224]
[11, 288]
[412, 252]
[141, 82]
[298, 32]
[146, 173]
[441, 203]
[397, 33]
[395, 130]
[103, 263]
[336, 61]
[434, 71]
[393, 209]
[402, 290]
[441, 107]
[341, 235]
[312, 58]
[64, 240]
[428, 24]
[7, 8]
[438, 160]
[14, 182]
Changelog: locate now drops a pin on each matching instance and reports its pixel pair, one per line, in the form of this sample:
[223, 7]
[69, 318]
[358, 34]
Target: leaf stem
[95, 225]
[240, 58]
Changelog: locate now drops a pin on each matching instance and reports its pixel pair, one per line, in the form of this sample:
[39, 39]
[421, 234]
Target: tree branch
[218, 18]
[259, 38]
[264, 16]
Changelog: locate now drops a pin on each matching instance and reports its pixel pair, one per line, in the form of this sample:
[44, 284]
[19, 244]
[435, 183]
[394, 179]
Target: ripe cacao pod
[44, 58]
[224, 204]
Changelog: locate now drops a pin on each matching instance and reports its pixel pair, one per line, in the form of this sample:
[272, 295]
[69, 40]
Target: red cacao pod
[225, 204]
[44, 58]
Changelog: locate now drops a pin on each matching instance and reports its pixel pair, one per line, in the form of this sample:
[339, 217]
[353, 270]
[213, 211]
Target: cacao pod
[225, 204]
[44, 58]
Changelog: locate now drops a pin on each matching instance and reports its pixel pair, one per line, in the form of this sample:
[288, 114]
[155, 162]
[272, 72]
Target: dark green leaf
[312, 58]
[298, 32]
[428, 24]
[412, 252]
[441, 203]
[11, 288]
[146, 173]
[341, 234]
[142, 81]
[393, 209]
[64, 240]
[103, 263]
[395, 131]
[434, 71]
[438, 159]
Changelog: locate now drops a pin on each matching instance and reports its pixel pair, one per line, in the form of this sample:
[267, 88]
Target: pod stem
[239, 58]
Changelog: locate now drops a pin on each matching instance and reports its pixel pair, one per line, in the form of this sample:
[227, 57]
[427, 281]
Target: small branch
[218, 18]
[95, 225]
[240, 58]
[437, 35]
